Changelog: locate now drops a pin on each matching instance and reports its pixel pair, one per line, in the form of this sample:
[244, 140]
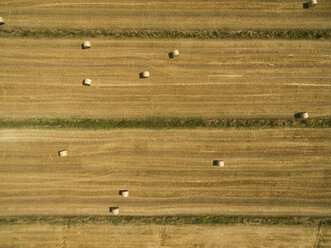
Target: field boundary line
[168, 123]
[168, 220]
[292, 34]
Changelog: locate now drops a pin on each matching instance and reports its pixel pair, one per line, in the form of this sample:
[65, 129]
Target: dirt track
[267, 172]
[158, 15]
[43, 78]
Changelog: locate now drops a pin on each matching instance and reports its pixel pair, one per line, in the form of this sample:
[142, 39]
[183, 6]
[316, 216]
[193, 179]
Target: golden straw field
[68, 149]
[265, 78]
[170, 172]
[165, 14]
[92, 235]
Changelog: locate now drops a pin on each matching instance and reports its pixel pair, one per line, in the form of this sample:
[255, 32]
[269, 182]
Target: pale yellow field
[267, 172]
[165, 14]
[42, 78]
[92, 235]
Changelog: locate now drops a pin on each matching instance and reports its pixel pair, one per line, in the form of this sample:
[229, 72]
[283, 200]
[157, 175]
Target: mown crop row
[166, 220]
[167, 34]
[168, 123]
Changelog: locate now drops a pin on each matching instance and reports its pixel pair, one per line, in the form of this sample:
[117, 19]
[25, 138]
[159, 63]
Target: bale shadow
[121, 191]
[306, 5]
[85, 83]
[298, 115]
[83, 47]
[112, 208]
[141, 75]
[171, 55]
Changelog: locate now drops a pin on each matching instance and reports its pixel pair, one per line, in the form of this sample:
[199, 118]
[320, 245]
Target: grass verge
[166, 220]
[167, 34]
[167, 123]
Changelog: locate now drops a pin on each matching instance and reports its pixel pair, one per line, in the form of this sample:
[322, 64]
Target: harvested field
[93, 235]
[41, 78]
[158, 15]
[245, 68]
[267, 172]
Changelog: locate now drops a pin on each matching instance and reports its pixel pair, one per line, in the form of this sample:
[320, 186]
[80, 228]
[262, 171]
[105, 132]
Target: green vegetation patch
[166, 220]
[167, 34]
[168, 123]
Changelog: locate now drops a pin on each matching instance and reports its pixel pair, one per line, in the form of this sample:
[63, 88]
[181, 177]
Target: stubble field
[93, 235]
[239, 79]
[248, 59]
[159, 15]
[267, 172]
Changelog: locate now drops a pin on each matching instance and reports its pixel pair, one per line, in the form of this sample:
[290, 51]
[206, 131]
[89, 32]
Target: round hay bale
[87, 82]
[313, 2]
[2, 21]
[144, 74]
[114, 210]
[301, 115]
[63, 153]
[175, 53]
[304, 115]
[86, 45]
[218, 163]
[124, 193]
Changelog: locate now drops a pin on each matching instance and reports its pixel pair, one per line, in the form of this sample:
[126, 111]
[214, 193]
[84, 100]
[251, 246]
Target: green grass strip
[7, 32]
[166, 220]
[168, 123]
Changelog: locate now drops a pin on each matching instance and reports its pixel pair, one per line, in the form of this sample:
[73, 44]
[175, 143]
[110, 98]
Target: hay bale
[301, 115]
[124, 193]
[144, 74]
[312, 3]
[63, 153]
[173, 54]
[2, 21]
[86, 45]
[87, 82]
[218, 163]
[304, 115]
[114, 210]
